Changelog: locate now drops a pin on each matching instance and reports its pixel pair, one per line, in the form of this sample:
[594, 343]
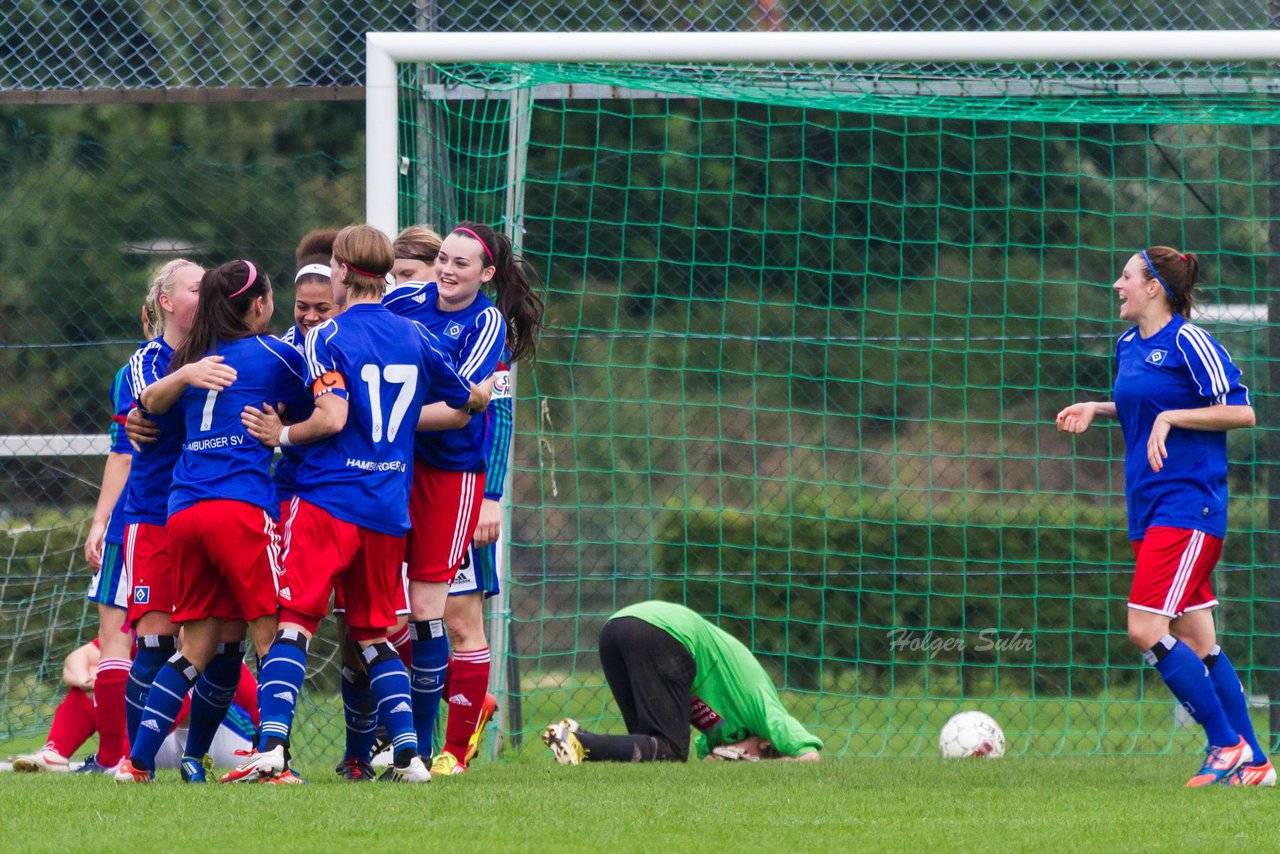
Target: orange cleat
[1220, 762]
[1253, 775]
[488, 709]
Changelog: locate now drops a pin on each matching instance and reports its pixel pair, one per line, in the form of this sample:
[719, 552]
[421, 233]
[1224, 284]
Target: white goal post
[385, 51]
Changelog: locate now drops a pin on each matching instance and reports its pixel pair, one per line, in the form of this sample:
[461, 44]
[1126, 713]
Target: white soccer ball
[971, 734]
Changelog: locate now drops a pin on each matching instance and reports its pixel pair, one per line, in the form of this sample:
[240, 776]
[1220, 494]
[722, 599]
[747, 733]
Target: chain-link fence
[89, 45]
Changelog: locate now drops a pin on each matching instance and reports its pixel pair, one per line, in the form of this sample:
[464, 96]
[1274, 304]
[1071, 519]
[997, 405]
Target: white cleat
[258, 767]
[44, 759]
[415, 772]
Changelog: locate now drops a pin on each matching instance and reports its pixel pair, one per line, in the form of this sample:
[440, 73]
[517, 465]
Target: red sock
[404, 646]
[72, 723]
[108, 712]
[468, 682]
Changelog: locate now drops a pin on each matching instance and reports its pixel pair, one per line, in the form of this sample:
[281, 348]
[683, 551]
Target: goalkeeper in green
[670, 669]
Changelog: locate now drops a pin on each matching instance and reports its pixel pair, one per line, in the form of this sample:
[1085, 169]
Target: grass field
[1023, 804]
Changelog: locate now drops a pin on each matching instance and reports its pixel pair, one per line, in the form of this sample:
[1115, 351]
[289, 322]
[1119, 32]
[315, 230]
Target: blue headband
[1152, 267]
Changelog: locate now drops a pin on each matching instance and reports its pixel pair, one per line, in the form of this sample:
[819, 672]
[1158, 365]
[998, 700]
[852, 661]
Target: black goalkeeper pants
[651, 676]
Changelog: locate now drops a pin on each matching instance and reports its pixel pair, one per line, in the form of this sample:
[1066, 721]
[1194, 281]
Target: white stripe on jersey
[1128, 336]
[314, 367]
[1209, 360]
[1180, 578]
[410, 289]
[264, 346]
[137, 363]
[490, 323]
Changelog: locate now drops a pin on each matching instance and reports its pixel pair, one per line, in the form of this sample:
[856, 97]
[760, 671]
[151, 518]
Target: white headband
[313, 269]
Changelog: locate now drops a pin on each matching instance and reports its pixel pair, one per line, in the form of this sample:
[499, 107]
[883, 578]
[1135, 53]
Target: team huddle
[390, 468]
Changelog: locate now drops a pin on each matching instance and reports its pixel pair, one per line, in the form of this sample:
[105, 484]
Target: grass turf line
[1024, 804]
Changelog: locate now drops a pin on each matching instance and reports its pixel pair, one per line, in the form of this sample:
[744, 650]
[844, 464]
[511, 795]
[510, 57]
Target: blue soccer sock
[153, 652]
[430, 664]
[280, 681]
[1186, 676]
[358, 710]
[212, 696]
[1234, 701]
[389, 683]
[164, 702]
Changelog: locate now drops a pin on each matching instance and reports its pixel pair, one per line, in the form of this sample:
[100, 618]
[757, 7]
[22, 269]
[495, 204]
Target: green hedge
[978, 596]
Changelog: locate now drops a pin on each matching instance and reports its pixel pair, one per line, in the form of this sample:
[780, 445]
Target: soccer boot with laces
[127, 772]
[92, 766]
[415, 772]
[284, 778]
[1220, 762]
[1263, 775]
[355, 771]
[562, 738]
[257, 766]
[488, 709]
[44, 759]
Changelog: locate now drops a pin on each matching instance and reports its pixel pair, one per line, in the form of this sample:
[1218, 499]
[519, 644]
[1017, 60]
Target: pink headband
[253, 276]
[483, 245]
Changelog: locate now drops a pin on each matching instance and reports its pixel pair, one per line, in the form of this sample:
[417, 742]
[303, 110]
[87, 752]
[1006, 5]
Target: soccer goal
[814, 299]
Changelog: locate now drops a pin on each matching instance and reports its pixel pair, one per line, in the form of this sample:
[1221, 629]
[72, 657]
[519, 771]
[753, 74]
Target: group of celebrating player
[390, 470]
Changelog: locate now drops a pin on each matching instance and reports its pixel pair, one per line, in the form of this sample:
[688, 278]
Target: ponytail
[1177, 272]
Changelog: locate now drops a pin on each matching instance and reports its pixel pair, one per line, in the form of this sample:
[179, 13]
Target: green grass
[1025, 804]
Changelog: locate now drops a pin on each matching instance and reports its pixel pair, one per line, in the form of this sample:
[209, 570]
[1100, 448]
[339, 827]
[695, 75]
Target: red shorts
[1173, 571]
[226, 559]
[444, 507]
[146, 563]
[326, 556]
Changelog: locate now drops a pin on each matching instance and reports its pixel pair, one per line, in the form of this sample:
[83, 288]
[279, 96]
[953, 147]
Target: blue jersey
[1179, 367]
[220, 460]
[121, 403]
[151, 474]
[300, 410]
[474, 339]
[388, 370]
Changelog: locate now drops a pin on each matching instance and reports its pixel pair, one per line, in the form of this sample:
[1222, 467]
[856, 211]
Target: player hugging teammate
[355, 395]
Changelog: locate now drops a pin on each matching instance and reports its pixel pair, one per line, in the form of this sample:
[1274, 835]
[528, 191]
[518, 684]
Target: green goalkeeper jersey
[729, 680]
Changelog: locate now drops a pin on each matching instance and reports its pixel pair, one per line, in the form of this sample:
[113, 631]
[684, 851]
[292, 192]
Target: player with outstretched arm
[1176, 395]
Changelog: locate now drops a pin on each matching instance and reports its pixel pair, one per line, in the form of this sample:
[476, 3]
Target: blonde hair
[418, 243]
[161, 283]
[369, 257]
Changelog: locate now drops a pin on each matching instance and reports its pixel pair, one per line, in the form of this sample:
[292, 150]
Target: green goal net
[809, 327]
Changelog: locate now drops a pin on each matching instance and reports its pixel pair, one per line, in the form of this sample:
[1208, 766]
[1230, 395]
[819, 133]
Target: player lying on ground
[668, 669]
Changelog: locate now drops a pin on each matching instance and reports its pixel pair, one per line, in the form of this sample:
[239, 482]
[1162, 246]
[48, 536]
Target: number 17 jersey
[386, 368]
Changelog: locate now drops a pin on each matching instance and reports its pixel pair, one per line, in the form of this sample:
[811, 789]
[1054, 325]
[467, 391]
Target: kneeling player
[669, 668]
